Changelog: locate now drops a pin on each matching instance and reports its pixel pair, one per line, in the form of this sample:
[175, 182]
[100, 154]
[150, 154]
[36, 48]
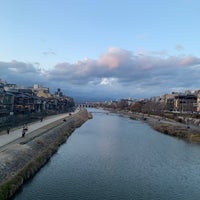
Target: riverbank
[115, 158]
[23, 158]
[170, 127]
[189, 132]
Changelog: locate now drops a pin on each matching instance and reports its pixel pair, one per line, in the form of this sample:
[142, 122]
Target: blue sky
[101, 48]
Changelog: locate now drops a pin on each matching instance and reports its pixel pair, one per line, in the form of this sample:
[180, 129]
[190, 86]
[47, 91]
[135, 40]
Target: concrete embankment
[21, 160]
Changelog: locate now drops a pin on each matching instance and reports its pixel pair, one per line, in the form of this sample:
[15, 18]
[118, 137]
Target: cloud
[49, 52]
[114, 58]
[19, 67]
[117, 72]
[189, 61]
[179, 47]
[19, 72]
[147, 70]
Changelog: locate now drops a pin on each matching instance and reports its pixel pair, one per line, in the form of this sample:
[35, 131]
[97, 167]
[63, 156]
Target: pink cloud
[114, 57]
[188, 61]
[111, 61]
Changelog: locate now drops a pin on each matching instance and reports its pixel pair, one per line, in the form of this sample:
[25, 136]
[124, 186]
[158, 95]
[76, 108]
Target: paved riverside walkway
[17, 133]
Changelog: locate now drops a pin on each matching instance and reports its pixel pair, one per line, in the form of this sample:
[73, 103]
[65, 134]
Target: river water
[115, 158]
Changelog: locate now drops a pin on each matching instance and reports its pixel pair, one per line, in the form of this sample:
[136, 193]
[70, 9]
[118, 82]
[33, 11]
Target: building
[185, 103]
[41, 91]
[198, 100]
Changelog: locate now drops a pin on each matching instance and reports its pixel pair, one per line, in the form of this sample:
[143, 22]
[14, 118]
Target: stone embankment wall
[20, 161]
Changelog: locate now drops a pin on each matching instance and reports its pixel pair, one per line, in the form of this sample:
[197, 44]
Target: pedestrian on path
[23, 132]
[8, 130]
[24, 129]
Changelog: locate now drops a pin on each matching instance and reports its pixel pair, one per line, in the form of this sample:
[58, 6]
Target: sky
[101, 49]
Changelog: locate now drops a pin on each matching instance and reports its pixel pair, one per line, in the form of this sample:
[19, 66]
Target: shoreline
[166, 126]
[20, 161]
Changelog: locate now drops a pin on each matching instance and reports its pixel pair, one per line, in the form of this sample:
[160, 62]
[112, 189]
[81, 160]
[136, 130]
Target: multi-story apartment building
[185, 103]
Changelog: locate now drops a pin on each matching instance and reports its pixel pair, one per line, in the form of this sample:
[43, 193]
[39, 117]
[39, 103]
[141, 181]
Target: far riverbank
[189, 132]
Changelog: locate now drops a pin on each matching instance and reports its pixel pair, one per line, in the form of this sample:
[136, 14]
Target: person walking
[8, 130]
[23, 132]
[24, 129]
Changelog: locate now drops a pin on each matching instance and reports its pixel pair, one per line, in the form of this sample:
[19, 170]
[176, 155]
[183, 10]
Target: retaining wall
[21, 161]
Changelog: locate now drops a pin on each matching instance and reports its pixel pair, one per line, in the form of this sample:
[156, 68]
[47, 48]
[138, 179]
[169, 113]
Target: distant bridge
[85, 105]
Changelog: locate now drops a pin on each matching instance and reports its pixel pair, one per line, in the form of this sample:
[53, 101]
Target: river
[115, 158]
